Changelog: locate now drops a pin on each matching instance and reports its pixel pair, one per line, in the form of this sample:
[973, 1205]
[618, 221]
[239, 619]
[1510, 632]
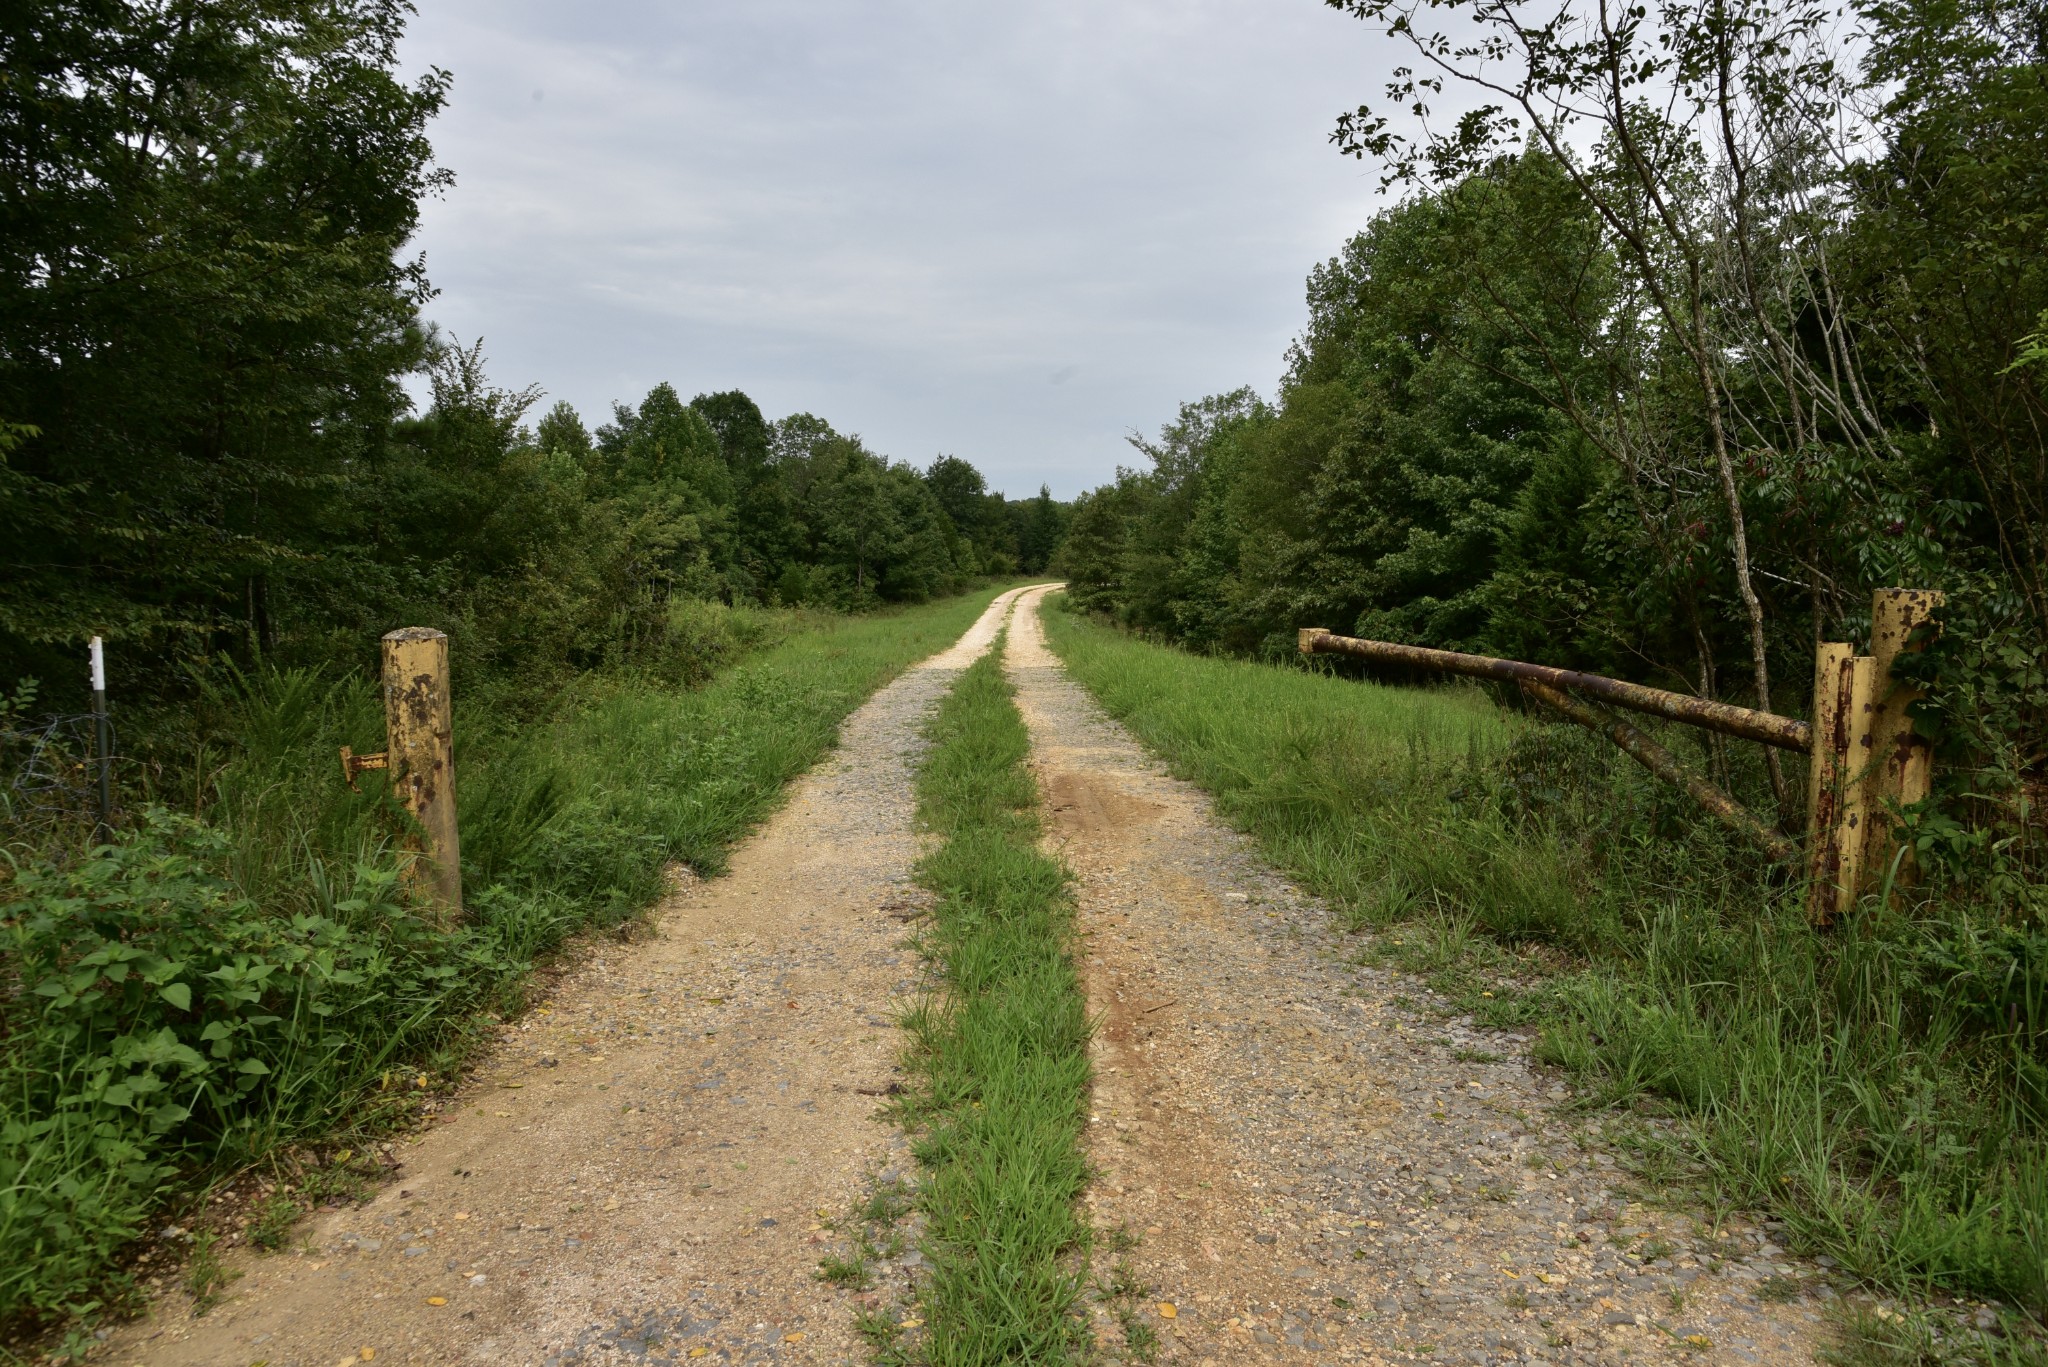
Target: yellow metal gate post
[1835, 775]
[419, 717]
[1902, 762]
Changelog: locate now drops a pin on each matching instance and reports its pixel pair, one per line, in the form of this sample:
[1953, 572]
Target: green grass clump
[1878, 1336]
[1001, 1054]
[1883, 1089]
[208, 989]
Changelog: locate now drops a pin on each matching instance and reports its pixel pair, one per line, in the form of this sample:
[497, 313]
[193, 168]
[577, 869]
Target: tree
[1092, 557]
[743, 434]
[973, 521]
[961, 492]
[203, 309]
[766, 530]
[879, 530]
[1946, 248]
[1706, 116]
[562, 429]
[1039, 532]
[663, 473]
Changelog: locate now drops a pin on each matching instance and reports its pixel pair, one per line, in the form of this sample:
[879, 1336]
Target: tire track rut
[1319, 1167]
[639, 1172]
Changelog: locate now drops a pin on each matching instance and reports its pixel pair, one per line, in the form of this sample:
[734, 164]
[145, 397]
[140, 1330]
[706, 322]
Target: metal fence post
[103, 741]
[418, 714]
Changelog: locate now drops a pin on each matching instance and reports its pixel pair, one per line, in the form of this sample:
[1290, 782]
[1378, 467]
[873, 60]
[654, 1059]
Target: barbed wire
[49, 769]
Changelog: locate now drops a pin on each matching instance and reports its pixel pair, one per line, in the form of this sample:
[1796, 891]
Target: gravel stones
[1335, 1171]
[647, 1158]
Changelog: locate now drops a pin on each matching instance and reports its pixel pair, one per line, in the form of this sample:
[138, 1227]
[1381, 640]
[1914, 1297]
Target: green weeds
[208, 990]
[1878, 1336]
[1141, 1340]
[1124, 1293]
[1000, 1055]
[1778, 1290]
[874, 1232]
[849, 1270]
[206, 1278]
[1882, 1090]
[884, 1335]
[872, 1235]
[274, 1215]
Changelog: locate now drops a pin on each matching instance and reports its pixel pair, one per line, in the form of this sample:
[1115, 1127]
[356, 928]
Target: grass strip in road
[686, 774]
[1000, 1053]
[1869, 1088]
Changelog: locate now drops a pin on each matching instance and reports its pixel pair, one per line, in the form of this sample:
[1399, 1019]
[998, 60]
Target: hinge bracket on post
[353, 764]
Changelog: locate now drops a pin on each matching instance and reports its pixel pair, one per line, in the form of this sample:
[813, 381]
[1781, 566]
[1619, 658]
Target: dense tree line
[1700, 324]
[567, 546]
[206, 317]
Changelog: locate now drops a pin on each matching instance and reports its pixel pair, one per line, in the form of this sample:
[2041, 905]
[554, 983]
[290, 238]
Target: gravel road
[642, 1171]
[1319, 1165]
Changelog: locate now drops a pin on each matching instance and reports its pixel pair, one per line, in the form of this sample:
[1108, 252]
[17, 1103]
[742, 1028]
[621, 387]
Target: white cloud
[1012, 233]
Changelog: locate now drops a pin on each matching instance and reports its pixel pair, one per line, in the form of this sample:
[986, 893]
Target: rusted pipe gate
[1865, 761]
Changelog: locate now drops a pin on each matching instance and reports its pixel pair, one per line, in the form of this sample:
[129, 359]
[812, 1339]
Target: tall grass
[1001, 1054]
[245, 974]
[1883, 1089]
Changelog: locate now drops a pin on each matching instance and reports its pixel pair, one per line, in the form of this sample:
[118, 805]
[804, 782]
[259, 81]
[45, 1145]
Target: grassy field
[1881, 1089]
[1001, 1055]
[238, 977]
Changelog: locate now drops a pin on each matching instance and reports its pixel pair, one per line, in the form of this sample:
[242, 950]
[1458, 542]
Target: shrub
[158, 1019]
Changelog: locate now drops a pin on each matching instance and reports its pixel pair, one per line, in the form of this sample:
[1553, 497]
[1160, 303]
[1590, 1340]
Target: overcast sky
[1008, 232]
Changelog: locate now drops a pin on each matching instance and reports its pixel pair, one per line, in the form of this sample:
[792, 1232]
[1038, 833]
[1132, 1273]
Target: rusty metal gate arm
[1668, 767]
[1788, 733]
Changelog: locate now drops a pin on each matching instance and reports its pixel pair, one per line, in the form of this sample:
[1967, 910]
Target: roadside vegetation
[1690, 328]
[999, 1053]
[211, 457]
[239, 973]
[1693, 332]
[1880, 1089]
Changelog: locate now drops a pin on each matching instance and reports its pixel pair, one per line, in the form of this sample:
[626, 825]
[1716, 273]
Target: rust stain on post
[1902, 766]
[419, 716]
[1836, 788]
[1788, 733]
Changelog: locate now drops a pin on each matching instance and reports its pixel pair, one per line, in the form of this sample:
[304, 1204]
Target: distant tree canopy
[1666, 401]
[206, 319]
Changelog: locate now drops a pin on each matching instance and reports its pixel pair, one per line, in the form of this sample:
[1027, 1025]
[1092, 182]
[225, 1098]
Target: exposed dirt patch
[1084, 804]
[643, 1169]
[1318, 1164]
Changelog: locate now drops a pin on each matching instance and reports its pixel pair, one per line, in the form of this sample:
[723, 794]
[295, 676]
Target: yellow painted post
[1859, 704]
[1902, 767]
[1836, 802]
[1824, 774]
[419, 717]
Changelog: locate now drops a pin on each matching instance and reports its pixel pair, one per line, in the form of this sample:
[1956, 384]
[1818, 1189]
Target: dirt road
[1320, 1167]
[640, 1175]
[1317, 1164]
